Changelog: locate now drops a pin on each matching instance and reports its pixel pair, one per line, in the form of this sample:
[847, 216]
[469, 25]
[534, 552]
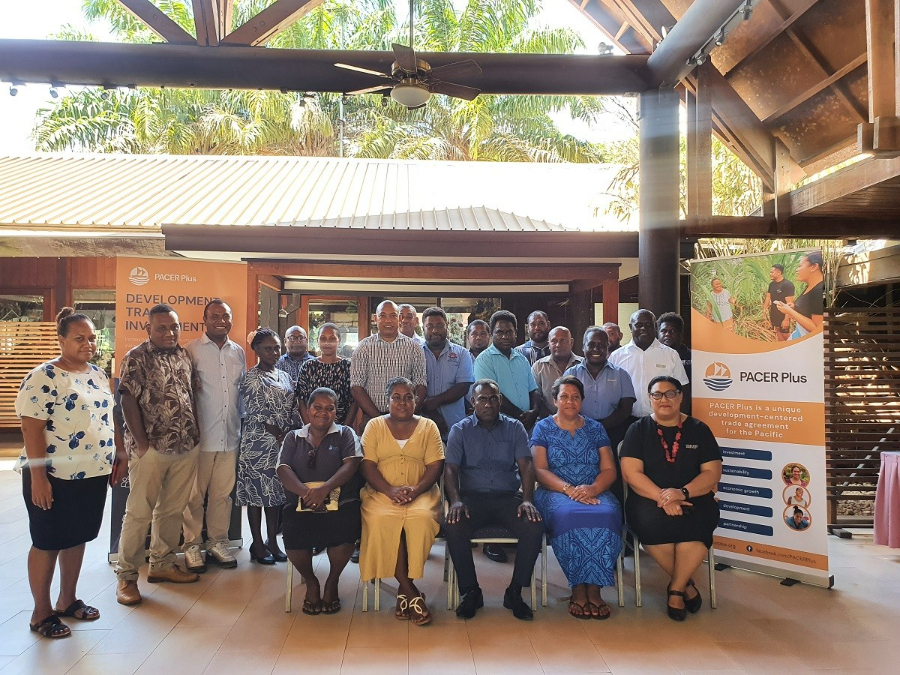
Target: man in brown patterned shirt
[157, 386]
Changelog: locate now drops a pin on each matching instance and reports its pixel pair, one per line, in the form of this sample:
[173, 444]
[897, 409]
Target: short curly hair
[503, 315]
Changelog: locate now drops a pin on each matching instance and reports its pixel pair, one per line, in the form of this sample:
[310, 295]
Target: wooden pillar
[699, 146]
[881, 134]
[611, 300]
[658, 257]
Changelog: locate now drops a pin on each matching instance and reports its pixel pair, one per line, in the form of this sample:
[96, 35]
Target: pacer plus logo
[138, 276]
[717, 376]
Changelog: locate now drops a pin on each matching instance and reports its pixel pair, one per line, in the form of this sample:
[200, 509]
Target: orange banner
[771, 421]
[769, 552]
[186, 285]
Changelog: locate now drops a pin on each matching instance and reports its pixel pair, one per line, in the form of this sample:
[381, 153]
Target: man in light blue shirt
[510, 369]
[449, 373]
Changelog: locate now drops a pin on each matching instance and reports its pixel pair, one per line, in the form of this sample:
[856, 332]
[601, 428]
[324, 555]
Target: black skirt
[75, 516]
[309, 529]
[653, 526]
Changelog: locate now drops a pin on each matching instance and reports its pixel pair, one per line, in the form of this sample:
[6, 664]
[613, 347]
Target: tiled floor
[233, 621]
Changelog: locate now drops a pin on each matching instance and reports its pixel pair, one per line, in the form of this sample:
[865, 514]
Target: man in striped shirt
[380, 358]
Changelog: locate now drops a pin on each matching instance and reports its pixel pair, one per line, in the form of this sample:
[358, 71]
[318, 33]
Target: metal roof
[148, 191]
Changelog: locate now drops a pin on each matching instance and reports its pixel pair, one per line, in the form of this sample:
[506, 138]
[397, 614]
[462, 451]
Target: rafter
[815, 89]
[158, 22]
[206, 19]
[271, 21]
[226, 17]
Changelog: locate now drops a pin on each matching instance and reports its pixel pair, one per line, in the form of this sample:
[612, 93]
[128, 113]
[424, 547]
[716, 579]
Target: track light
[54, 93]
[720, 38]
[13, 90]
[748, 10]
[701, 59]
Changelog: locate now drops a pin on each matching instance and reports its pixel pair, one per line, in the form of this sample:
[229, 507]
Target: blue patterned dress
[267, 398]
[586, 538]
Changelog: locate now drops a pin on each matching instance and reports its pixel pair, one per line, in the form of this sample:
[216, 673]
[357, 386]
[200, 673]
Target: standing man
[549, 369]
[409, 320]
[671, 334]
[645, 357]
[380, 358]
[510, 370]
[608, 392]
[478, 336]
[297, 344]
[537, 347]
[161, 435]
[780, 289]
[449, 371]
[484, 453]
[615, 335]
[219, 364]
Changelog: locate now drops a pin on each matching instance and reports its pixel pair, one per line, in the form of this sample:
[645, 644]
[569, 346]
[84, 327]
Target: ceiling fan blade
[369, 90]
[453, 70]
[455, 90]
[363, 70]
[406, 58]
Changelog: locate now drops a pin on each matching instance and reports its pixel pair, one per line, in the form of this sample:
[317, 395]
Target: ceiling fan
[413, 81]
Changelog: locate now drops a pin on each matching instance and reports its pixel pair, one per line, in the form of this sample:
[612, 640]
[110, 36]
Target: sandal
[401, 613]
[422, 616]
[332, 607]
[80, 611]
[312, 608]
[51, 627]
[582, 614]
[603, 611]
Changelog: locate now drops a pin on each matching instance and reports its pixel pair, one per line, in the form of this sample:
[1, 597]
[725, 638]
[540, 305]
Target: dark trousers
[493, 510]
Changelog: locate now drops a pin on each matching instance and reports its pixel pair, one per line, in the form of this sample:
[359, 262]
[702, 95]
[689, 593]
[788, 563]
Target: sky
[39, 19]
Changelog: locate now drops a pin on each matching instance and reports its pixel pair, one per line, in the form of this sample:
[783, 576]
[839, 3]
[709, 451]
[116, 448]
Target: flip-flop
[51, 627]
[80, 611]
[332, 607]
[312, 608]
[600, 616]
[582, 607]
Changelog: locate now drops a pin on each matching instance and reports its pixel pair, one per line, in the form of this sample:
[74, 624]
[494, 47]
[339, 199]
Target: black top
[697, 446]
[338, 446]
[779, 290]
[811, 303]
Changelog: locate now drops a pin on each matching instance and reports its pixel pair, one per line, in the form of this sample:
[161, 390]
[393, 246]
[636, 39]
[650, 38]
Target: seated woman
[672, 464]
[402, 460]
[575, 469]
[316, 460]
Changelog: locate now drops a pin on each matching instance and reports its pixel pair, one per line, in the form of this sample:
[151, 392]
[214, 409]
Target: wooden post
[782, 186]
[658, 256]
[881, 134]
[611, 300]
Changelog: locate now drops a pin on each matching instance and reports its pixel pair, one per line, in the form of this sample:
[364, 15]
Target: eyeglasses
[659, 395]
[296, 338]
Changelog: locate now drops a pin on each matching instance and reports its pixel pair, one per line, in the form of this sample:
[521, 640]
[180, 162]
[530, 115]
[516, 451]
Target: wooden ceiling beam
[880, 133]
[860, 176]
[765, 40]
[226, 17]
[206, 19]
[810, 227]
[815, 89]
[728, 226]
[270, 22]
[615, 25]
[157, 21]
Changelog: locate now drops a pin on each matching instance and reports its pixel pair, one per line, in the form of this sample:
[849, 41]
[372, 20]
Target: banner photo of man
[758, 375]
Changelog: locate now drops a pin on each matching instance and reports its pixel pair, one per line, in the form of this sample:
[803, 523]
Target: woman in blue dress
[575, 469]
[267, 397]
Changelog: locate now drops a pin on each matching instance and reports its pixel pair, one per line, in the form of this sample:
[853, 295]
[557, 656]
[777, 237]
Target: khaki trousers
[160, 487]
[215, 481]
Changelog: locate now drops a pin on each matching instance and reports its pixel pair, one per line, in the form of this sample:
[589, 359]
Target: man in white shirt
[220, 364]
[645, 357]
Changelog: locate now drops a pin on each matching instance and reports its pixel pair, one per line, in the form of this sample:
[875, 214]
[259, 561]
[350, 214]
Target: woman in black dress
[328, 370]
[672, 465]
[316, 460]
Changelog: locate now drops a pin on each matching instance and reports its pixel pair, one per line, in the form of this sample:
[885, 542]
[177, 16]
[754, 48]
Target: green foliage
[490, 128]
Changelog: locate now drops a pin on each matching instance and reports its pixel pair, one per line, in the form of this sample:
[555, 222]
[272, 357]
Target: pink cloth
[887, 501]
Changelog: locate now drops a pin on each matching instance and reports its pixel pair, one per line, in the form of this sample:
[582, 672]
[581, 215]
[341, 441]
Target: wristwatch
[684, 491]
[565, 487]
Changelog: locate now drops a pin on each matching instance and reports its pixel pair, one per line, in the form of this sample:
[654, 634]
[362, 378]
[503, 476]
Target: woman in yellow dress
[402, 460]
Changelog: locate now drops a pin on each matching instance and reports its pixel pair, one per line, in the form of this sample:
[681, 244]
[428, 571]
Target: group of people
[339, 452]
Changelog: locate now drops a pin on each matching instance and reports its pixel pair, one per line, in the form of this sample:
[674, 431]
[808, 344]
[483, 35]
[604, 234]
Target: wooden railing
[23, 346]
[862, 399]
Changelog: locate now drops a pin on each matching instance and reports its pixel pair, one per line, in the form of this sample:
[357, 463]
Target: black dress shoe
[676, 613]
[470, 603]
[514, 601]
[262, 560]
[694, 604]
[495, 552]
[279, 557]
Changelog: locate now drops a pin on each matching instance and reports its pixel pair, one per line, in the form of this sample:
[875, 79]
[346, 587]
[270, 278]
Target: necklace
[670, 457]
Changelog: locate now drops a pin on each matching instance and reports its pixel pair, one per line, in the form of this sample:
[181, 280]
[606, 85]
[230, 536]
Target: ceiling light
[54, 93]
[410, 93]
[13, 90]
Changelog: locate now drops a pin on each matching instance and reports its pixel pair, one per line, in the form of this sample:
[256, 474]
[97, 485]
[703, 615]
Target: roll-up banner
[758, 382]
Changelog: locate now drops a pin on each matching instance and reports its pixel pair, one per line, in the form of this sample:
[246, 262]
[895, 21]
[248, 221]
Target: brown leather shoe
[127, 593]
[174, 574]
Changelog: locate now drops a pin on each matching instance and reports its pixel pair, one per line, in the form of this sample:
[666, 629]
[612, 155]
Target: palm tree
[250, 122]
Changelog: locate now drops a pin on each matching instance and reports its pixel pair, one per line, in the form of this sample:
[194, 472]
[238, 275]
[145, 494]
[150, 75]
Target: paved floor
[233, 621]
